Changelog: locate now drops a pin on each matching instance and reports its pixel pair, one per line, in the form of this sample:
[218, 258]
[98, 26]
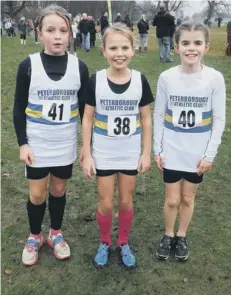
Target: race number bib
[57, 111]
[187, 118]
[121, 125]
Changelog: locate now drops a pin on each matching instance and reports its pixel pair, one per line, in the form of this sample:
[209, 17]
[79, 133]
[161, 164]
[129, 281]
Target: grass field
[208, 271]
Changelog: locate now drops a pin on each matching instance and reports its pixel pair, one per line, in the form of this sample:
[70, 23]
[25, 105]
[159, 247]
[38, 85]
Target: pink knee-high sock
[125, 223]
[104, 222]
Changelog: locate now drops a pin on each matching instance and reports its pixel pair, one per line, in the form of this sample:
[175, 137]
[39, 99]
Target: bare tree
[172, 5]
[149, 8]
[217, 7]
[13, 8]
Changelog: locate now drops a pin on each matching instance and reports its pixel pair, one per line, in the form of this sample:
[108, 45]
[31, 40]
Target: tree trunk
[211, 7]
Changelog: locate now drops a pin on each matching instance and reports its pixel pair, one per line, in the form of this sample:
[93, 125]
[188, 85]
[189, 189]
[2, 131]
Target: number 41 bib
[187, 118]
[57, 111]
[121, 125]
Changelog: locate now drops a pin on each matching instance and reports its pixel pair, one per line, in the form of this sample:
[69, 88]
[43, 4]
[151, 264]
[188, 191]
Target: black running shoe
[182, 252]
[163, 250]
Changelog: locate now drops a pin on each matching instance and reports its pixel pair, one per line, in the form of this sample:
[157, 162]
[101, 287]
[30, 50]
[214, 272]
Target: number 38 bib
[121, 125]
[57, 111]
[187, 118]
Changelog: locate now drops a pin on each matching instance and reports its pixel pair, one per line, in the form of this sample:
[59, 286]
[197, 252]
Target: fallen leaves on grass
[9, 271]
[211, 279]
[6, 174]
[16, 261]
[89, 218]
[20, 242]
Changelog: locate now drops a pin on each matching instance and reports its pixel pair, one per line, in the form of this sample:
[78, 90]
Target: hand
[81, 157]
[159, 160]
[203, 166]
[144, 163]
[26, 154]
[88, 167]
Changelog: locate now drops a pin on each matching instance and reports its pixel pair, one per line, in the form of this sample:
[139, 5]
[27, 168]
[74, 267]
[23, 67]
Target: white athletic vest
[117, 130]
[188, 119]
[52, 113]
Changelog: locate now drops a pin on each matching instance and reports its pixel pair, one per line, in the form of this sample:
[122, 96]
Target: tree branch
[178, 6]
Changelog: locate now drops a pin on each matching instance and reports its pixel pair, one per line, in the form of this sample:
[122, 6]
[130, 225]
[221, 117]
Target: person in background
[118, 18]
[31, 25]
[74, 27]
[84, 28]
[36, 23]
[69, 15]
[22, 27]
[172, 32]
[79, 35]
[228, 49]
[8, 28]
[219, 20]
[143, 28]
[92, 30]
[104, 22]
[13, 25]
[178, 22]
[128, 22]
[164, 23]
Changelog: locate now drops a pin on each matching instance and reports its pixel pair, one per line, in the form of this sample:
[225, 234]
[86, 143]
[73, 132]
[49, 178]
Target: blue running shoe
[127, 257]
[102, 256]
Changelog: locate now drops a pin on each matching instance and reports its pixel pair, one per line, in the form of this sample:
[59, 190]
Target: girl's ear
[177, 48]
[103, 51]
[40, 35]
[207, 47]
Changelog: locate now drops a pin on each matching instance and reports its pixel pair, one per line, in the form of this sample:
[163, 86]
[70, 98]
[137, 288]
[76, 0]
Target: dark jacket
[104, 23]
[229, 33]
[178, 22]
[84, 26]
[164, 23]
[92, 30]
[143, 27]
[36, 24]
[228, 48]
[118, 19]
[173, 29]
[128, 22]
[22, 27]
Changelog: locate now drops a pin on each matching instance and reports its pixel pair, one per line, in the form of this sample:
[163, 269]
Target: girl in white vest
[48, 99]
[189, 120]
[117, 104]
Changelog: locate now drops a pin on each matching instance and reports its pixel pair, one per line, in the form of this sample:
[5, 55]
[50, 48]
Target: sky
[194, 7]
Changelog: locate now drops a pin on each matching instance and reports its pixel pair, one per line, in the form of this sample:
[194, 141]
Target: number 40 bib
[187, 118]
[121, 125]
[57, 111]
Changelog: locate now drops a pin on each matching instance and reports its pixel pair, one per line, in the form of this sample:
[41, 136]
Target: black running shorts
[62, 172]
[171, 176]
[103, 173]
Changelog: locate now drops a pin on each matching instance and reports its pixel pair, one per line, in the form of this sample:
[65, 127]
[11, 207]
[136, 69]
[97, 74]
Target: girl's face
[54, 34]
[192, 47]
[118, 50]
